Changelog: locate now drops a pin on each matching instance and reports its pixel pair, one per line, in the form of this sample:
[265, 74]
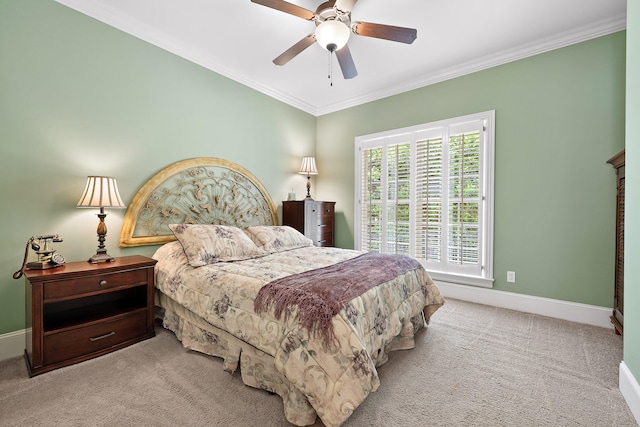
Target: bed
[233, 284]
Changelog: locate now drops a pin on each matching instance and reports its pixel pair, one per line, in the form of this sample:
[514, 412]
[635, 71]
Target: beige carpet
[473, 366]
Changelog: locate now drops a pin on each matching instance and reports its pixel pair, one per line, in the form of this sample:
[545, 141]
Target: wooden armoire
[617, 318]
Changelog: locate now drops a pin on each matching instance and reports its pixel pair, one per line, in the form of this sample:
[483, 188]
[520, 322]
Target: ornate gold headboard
[203, 190]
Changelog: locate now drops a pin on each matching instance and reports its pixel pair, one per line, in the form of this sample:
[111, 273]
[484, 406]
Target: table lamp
[101, 192]
[308, 168]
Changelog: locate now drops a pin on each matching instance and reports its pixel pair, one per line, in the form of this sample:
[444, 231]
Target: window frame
[486, 218]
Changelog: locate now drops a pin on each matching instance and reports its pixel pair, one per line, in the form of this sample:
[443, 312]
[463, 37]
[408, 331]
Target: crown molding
[112, 18]
[579, 35]
[140, 30]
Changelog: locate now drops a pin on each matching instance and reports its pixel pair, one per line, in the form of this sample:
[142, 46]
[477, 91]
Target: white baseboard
[630, 390]
[12, 344]
[575, 312]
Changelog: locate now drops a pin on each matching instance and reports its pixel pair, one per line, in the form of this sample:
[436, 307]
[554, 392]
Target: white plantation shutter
[372, 200]
[429, 208]
[427, 191]
[464, 199]
[398, 198]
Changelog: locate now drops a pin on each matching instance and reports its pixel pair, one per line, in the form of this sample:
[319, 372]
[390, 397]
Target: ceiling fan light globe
[332, 35]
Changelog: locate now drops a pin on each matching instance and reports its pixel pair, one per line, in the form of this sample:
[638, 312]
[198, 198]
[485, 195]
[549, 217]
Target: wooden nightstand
[313, 218]
[81, 310]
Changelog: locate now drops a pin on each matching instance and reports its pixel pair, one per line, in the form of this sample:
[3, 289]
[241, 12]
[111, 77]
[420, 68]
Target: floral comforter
[311, 377]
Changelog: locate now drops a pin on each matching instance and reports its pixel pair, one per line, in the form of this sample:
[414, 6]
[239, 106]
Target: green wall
[78, 98]
[559, 117]
[632, 196]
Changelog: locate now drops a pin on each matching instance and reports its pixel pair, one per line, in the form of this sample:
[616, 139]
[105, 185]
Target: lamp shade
[101, 192]
[308, 166]
[332, 35]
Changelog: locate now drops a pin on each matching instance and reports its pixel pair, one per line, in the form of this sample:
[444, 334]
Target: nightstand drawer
[85, 340]
[94, 283]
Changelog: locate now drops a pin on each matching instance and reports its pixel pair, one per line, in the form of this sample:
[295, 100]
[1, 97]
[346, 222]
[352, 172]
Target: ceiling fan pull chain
[330, 70]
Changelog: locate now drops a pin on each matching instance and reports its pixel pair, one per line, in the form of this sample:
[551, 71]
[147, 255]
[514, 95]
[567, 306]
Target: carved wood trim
[202, 190]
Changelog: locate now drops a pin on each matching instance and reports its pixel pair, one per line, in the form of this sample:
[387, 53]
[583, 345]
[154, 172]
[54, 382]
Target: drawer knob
[103, 282]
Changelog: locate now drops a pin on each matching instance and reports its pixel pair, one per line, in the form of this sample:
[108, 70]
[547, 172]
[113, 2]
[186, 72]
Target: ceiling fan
[333, 28]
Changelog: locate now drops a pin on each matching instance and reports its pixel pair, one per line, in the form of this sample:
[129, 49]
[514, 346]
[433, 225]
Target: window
[427, 191]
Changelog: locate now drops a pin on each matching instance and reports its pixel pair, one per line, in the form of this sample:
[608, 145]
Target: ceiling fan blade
[346, 62]
[345, 5]
[286, 7]
[294, 50]
[387, 32]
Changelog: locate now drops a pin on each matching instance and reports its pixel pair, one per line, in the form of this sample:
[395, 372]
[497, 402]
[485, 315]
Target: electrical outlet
[511, 277]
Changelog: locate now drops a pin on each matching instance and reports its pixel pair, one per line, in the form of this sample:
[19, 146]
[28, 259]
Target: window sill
[461, 279]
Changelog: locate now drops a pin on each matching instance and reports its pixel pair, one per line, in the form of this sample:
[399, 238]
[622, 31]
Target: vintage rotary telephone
[47, 257]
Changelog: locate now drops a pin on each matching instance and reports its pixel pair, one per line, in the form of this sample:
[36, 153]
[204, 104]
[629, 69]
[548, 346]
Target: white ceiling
[239, 39]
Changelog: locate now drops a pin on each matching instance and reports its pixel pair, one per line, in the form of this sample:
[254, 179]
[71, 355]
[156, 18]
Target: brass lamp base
[308, 188]
[101, 254]
[101, 257]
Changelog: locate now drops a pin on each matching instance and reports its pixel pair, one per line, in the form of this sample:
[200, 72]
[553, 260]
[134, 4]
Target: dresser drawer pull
[101, 337]
[102, 282]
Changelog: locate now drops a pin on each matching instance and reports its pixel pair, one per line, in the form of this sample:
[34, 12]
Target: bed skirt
[257, 368]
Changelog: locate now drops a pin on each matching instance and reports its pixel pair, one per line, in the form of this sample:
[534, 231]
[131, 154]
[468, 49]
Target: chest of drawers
[315, 219]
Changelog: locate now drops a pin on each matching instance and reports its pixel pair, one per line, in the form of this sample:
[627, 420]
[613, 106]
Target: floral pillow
[206, 244]
[277, 238]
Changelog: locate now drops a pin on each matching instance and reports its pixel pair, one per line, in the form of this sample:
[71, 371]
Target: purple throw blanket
[320, 294]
